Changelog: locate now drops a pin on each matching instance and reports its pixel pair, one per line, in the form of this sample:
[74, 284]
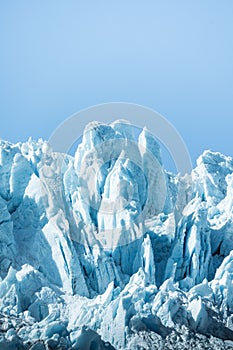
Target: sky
[176, 57]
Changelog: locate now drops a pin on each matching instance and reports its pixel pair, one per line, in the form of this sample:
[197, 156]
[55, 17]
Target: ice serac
[107, 249]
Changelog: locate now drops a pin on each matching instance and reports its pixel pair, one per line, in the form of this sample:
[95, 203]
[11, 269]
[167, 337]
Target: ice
[105, 247]
[199, 314]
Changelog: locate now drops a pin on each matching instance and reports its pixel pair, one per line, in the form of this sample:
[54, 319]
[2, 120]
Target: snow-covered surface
[108, 250]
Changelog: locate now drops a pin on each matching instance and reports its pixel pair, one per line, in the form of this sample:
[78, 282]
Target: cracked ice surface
[107, 249]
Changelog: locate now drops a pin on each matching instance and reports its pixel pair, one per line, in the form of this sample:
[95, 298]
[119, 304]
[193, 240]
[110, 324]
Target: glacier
[108, 250]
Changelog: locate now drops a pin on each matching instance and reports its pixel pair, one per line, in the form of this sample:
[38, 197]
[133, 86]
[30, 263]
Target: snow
[104, 247]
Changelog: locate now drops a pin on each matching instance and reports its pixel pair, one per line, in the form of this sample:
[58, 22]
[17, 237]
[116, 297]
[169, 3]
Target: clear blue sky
[176, 57]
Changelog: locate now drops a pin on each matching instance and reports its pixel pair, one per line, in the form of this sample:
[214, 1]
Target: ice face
[107, 243]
